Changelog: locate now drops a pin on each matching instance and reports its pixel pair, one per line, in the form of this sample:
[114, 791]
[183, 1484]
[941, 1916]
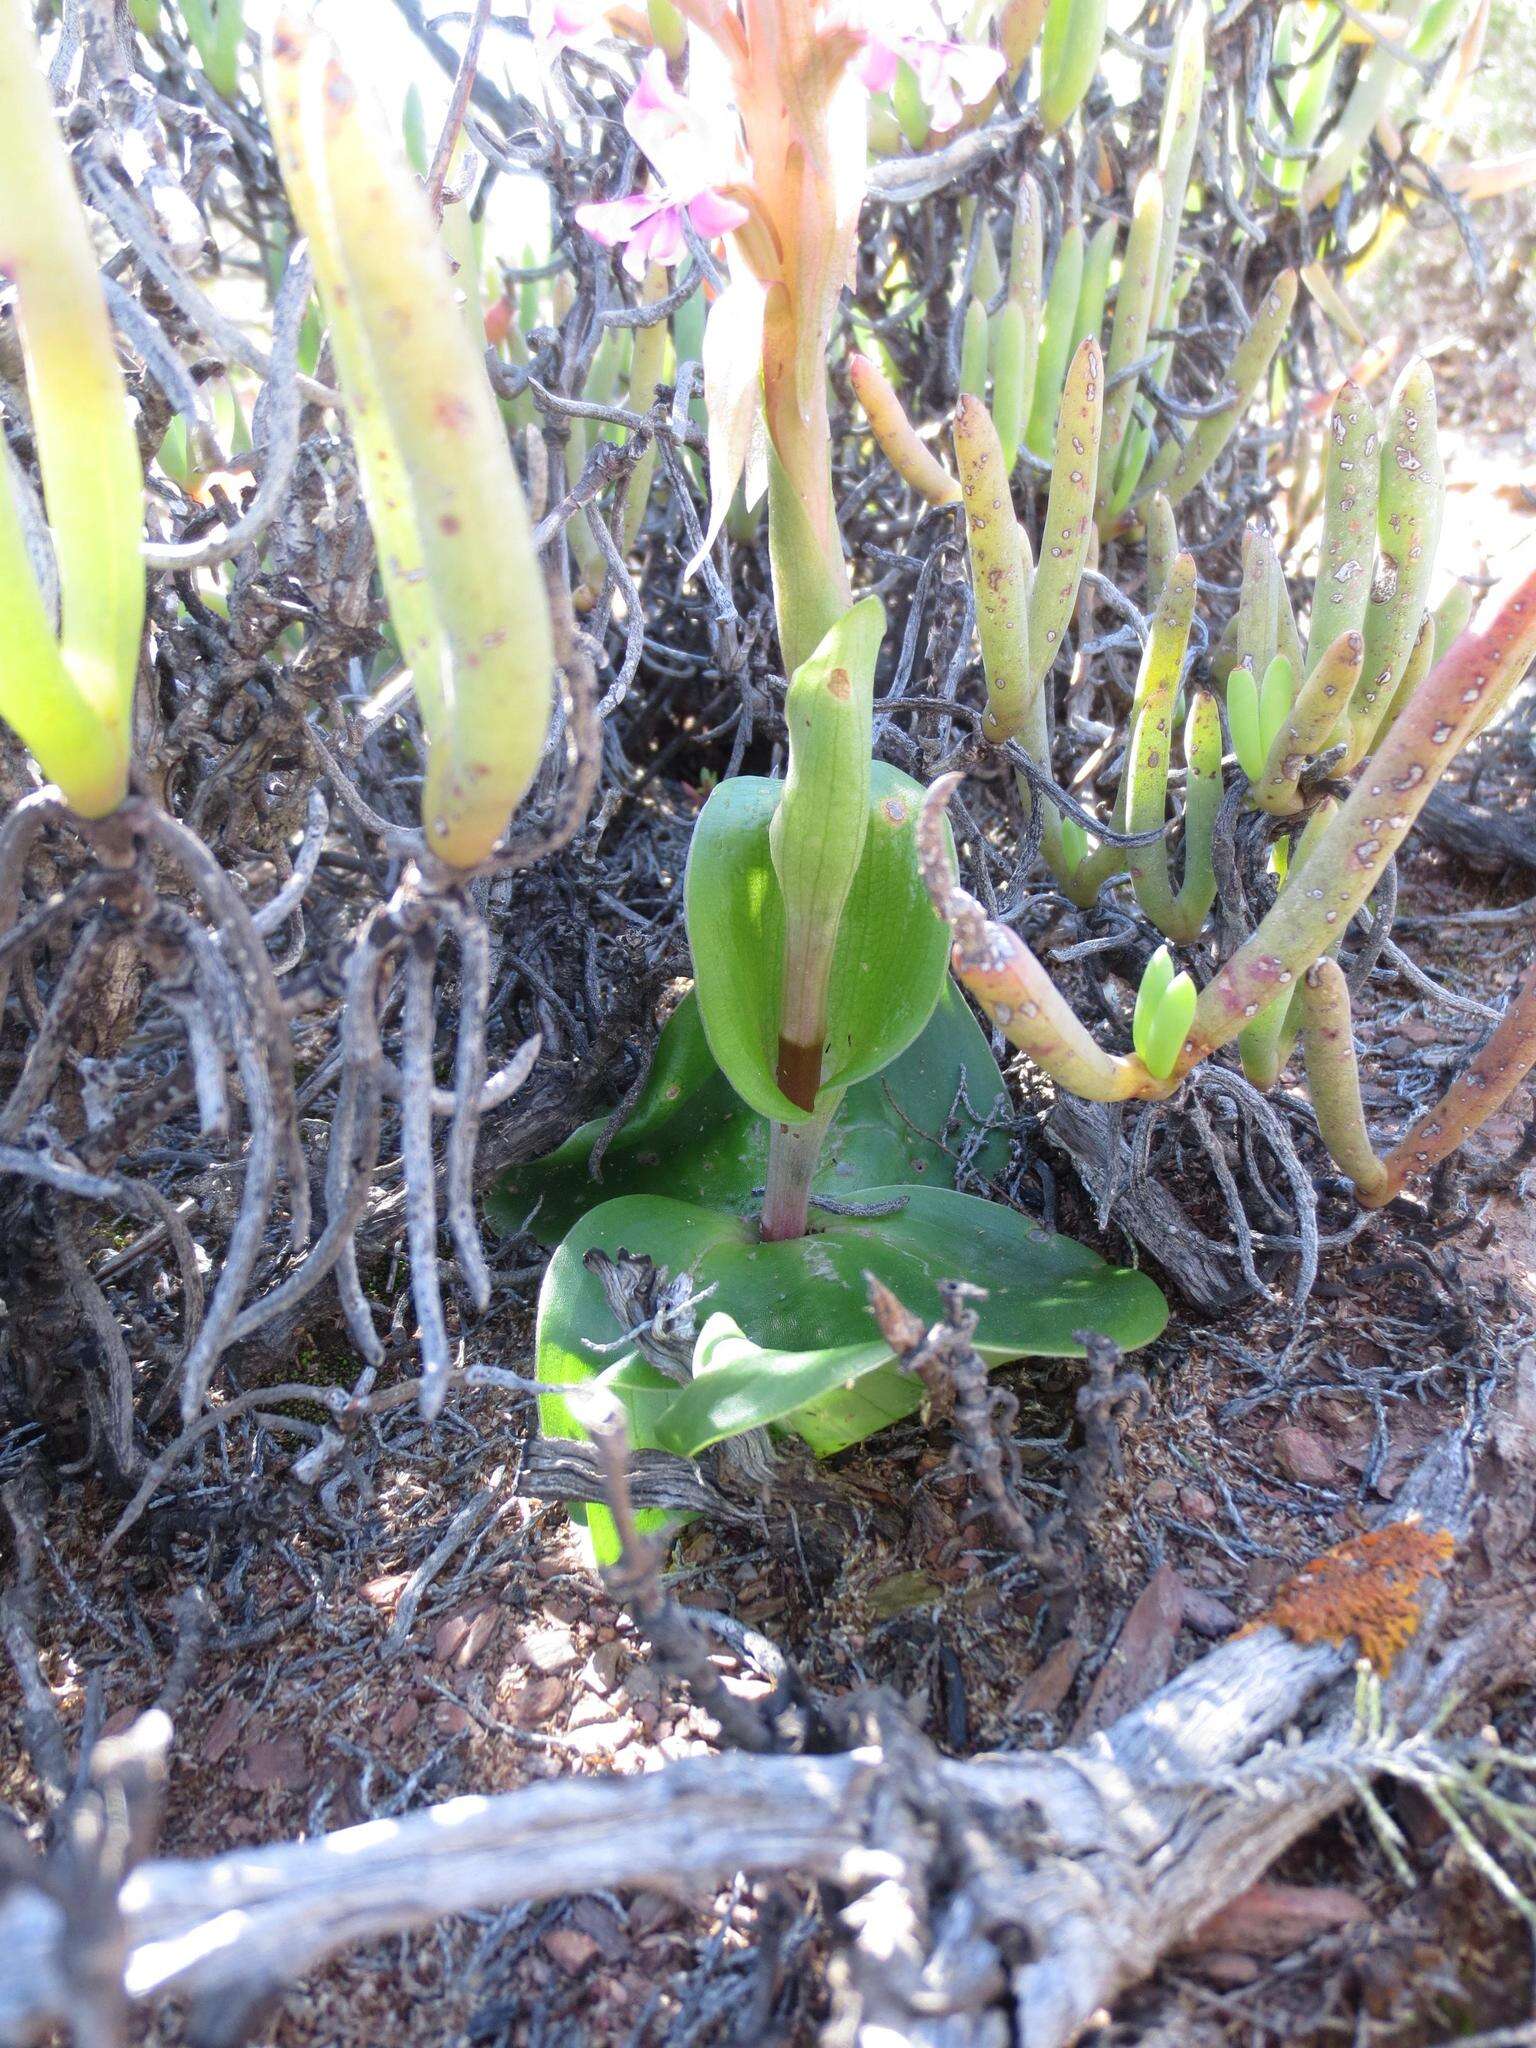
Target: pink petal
[714, 215]
[674, 133]
[658, 239]
[974, 70]
[561, 24]
[876, 67]
[951, 76]
[655, 107]
[611, 221]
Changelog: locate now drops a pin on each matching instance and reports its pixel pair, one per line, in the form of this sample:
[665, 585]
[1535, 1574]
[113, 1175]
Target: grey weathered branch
[1089, 1863]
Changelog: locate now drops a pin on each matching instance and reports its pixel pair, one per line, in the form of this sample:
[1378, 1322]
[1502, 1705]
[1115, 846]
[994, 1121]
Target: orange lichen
[1370, 1588]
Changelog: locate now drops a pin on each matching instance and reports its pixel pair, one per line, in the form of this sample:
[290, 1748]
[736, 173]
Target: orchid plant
[819, 962]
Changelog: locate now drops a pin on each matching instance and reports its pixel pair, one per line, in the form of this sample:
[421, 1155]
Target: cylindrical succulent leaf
[1000, 571]
[1379, 74]
[1068, 529]
[455, 546]
[669, 29]
[1351, 480]
[1478, 672]
[1453, 615]
[1162, 532]
[973, 351]
[1098, 261]
[1333, 1079]
[1243, 720]
[1162, 1037]
[1010, 984]
[987, 273]
[1151, 740]
[1310, 726]
[1133, 321]
[69, 696]
[1177, 138]
[1155, 978]
[1019, 23]
[1177, 470]
[1276, 693]
[1069, 56]
[1409, 507]
[1010, 367]
[1056, 341]
[1490, 1078]
[896, 437]
[647, 367]
[1418, 665]
[1203, 792]
[1256, 640]
[1026, 289]
[1287, 635]
[1265, 1044]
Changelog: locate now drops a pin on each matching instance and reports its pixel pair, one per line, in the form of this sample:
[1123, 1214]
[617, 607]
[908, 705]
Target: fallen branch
[1046, 1882]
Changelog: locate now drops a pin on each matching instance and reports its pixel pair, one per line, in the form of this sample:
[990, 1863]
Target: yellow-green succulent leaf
[455, 544]
[93, 481]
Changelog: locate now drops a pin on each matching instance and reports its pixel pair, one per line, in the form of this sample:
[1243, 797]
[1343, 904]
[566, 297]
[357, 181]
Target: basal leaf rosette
[789, 1342]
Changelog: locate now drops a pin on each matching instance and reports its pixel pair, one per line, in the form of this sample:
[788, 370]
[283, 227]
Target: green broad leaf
[1243, 722]
[892, 947]
[691, 1136]
[738, 1385]
[808, 1295]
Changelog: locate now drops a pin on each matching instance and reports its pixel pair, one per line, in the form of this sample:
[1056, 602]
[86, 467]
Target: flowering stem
[810, 577]
[793, 1153]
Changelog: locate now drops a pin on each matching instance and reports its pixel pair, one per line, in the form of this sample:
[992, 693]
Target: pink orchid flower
[951, 76]
[688, 156]
[568, 25]
[651, 224]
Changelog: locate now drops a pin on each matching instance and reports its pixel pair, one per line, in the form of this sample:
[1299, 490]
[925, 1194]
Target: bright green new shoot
[67, 692]
[1165, 1008]
[1256, 712]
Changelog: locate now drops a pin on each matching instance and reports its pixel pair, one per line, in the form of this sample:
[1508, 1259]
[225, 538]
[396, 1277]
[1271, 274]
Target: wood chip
[1304, 1456]
[1050, 1681]
[222, 1731]
[549, 1650]
[569, 1949]
[276, 1765]
[1273, 1919]
[1142, 1657]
